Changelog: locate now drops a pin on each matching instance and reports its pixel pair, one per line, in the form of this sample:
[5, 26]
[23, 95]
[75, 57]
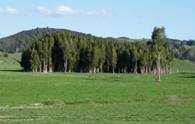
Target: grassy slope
[183, 66]
[10, 62]
[97, 98]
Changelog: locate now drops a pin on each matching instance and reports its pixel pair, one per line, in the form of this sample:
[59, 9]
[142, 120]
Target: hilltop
[22, 40]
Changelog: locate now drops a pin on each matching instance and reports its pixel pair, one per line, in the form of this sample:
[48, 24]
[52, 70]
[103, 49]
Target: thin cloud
[43, 10]
[63, 10]
[97, 13]
[8, 10]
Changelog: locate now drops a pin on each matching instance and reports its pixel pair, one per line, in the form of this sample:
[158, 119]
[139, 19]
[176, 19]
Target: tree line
[72, 52]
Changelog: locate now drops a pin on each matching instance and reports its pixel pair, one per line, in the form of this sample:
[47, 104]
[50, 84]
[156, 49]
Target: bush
[5, 55]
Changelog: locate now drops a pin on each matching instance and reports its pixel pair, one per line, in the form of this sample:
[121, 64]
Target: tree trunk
[35, 69]
[113, 70]
[65, 66]
[97, 70]
[101, 67]
[108, 68]
[122, 70]
[142, 70]
[40, 68]
[158, 68]
[125, 70]
[167, 69]
[44, 67]
[146, 69]
[135, 69]
[94, 69]
[50, 68]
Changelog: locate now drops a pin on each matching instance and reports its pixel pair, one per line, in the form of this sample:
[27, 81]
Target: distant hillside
[22, 40]
[131, 40]
[183, 49]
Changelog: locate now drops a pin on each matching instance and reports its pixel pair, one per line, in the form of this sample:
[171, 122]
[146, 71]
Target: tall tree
[96, 58]
[102, 58]
[50, 41]
[25, 60]
[72, 56]
[34, 60]
[159, 40]
[113, 58]
[58, 55]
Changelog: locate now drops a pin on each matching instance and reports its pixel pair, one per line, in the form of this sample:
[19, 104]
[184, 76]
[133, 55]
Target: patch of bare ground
[43, 105]
[59, 103]
[32, 106]
[21, 118]
[174, 98]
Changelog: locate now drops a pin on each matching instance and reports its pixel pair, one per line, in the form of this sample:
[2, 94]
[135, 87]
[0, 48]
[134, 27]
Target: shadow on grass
[11, 70]
[187, 74]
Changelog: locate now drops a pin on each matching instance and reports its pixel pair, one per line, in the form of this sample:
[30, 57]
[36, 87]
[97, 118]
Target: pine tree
[102, 57]
[58, 55]
[34, 60]
[96, 58]
[113, 59]
[25, 60]
[50, 45]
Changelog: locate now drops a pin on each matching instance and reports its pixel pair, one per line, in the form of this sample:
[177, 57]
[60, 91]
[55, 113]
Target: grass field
[28, 98]
[73, 98]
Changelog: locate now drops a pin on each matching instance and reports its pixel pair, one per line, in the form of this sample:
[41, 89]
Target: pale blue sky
[131, 18]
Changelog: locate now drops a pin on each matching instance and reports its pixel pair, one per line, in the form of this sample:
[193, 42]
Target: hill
[22, 40]
[183, 49]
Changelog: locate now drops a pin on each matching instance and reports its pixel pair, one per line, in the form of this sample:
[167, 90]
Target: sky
[105, 18]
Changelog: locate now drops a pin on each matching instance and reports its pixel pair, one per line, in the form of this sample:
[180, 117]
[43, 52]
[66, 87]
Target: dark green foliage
[25, 60]
[5, 55]
[23, 40]
[34, 60]
[67, 51]
[113, 58]
[58, 55]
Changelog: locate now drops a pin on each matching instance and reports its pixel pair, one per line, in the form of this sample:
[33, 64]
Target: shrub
[5, 55]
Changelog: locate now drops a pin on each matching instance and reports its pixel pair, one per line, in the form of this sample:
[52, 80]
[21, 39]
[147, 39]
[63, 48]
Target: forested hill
[22, 40]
